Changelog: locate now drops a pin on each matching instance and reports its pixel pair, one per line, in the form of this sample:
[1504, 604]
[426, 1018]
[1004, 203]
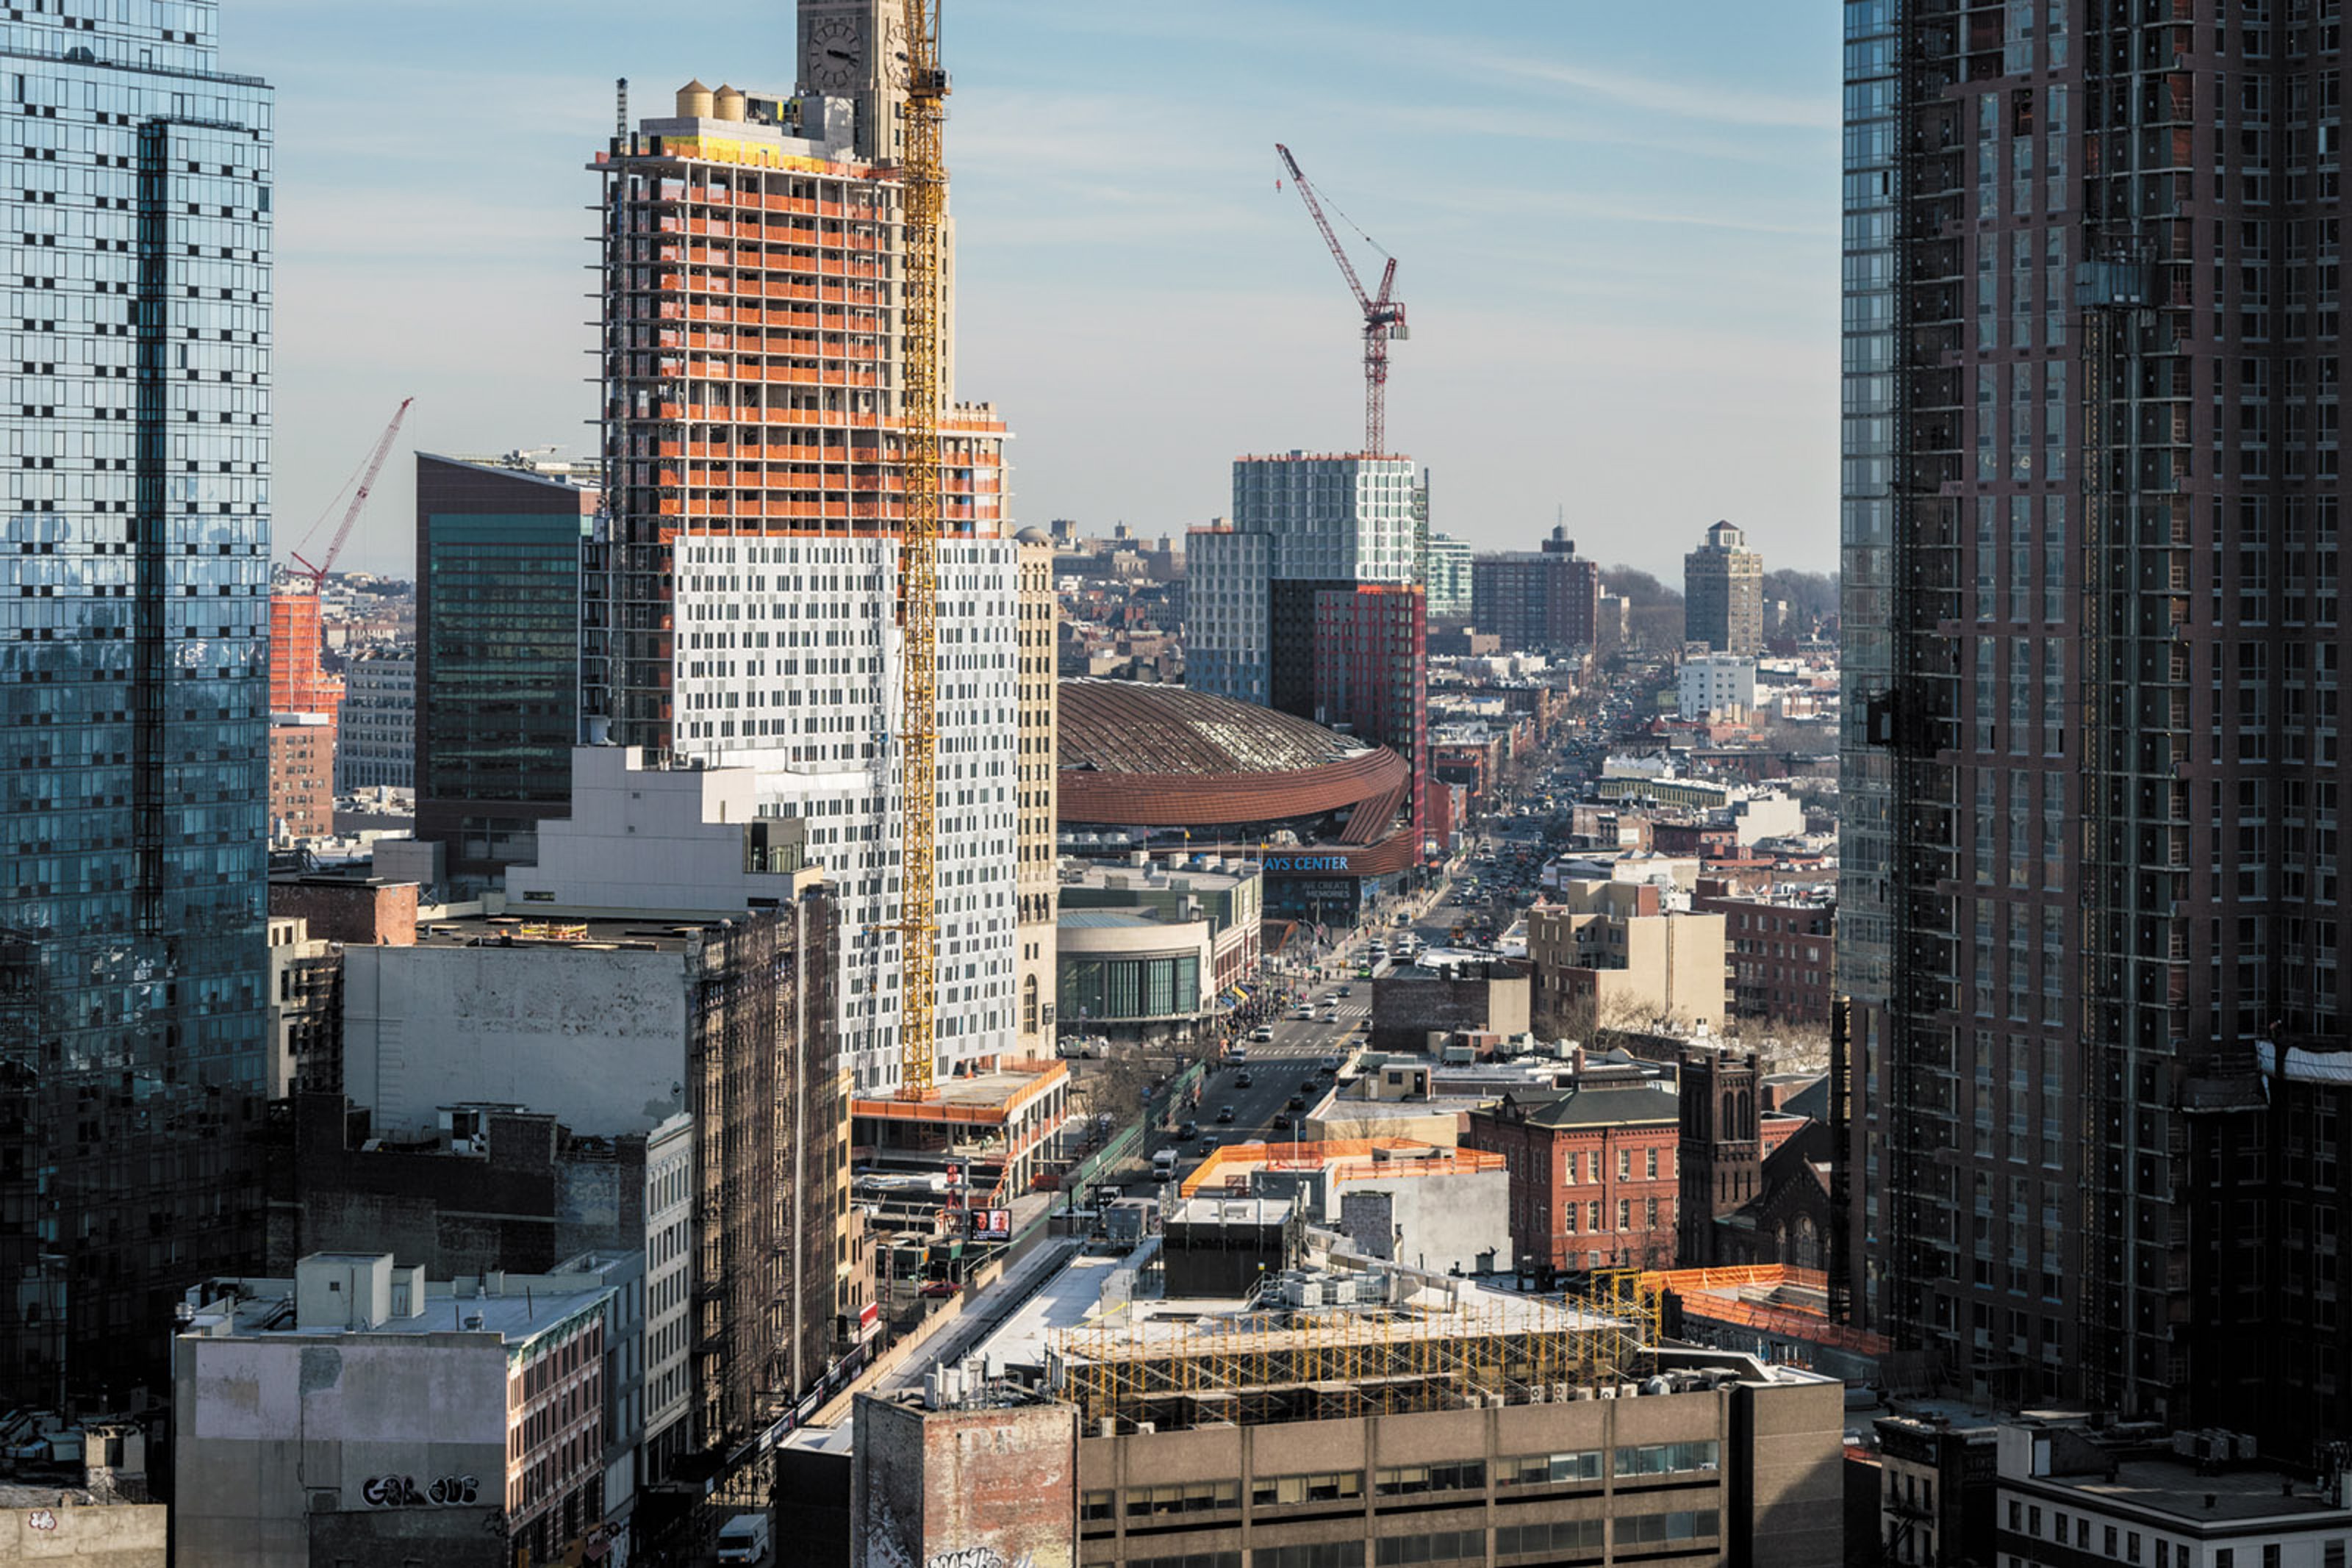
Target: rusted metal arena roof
[1124, 726]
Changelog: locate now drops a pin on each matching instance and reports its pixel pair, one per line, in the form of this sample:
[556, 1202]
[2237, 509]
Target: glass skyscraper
[134, 666]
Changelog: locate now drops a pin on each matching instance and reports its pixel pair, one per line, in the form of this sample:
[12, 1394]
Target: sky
[1615, 225]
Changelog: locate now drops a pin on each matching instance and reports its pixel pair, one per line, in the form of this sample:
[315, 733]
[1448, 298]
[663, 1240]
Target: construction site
[1335, 1342]
[1343, 1407]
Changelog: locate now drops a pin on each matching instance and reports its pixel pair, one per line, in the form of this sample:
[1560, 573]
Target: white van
[744, 1539]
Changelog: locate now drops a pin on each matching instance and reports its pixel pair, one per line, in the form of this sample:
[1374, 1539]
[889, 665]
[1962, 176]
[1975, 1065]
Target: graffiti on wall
[979, 1557]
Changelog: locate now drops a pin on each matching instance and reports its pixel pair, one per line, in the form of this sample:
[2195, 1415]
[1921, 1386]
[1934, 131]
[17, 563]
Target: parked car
[936, 1288]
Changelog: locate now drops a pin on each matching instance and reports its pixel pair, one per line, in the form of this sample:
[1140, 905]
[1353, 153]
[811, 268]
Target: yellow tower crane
[924, 225]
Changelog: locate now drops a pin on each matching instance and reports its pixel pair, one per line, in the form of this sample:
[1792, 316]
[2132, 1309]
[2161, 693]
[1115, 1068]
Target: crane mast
[1383, 313]
[924, 221]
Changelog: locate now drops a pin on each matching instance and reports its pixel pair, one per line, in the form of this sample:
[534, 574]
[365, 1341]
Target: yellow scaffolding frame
[1315, 1363]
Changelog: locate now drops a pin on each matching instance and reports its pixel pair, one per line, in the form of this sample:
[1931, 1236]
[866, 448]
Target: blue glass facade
[134, 617]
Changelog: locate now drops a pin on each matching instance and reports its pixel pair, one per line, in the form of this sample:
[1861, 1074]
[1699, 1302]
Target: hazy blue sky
[1617, 226]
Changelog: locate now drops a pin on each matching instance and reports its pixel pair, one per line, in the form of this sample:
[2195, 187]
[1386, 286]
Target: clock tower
[857, 50]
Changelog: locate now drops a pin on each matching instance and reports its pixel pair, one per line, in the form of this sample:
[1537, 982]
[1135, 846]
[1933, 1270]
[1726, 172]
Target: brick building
[1414, 1003]
[1542, 601]
[370, 911]
[1781, 948]
[1372, 671]
[302, 775]
[1592, 1173]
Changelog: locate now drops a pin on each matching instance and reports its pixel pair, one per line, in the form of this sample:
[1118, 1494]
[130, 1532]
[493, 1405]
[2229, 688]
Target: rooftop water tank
[694, 101]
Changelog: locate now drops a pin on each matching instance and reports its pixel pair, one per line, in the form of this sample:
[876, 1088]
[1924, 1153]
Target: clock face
[834, 58]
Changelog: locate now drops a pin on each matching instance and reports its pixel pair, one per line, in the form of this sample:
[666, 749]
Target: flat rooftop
[515, 1319]
[643, 934]
[1344, 1159]
[2177, 1489]
[978, 1097]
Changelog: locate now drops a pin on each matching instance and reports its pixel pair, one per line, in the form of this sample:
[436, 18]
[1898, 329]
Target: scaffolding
[1261, 1368]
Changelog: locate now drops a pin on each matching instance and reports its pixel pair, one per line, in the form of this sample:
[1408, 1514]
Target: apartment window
[1195, 1497]
[2016, 1514]
[1560, 1536]
[1401, 1480]
[1649, 1213]
[1548, 1470]
[1316, 1554]
[1650, 1155]
[1624, 1165]
[1330, 1485]
[1666, 1459]
[1625, 1214]
[1656, 1528]
[1441, 1546]
[2109, 1536]
[2131, 1547]
[1097, 1505]
[2270, 1554]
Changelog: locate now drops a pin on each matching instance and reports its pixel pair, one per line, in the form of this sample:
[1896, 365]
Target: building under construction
[1323, 1344]
[1347, 1411]
[744, 605]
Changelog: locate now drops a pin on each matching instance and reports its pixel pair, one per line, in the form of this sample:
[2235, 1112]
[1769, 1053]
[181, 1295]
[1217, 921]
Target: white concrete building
[1715, 686]
[375, 746]
[668, 1286]
[2067, 1497]
[649, 837]
[1297, 518]
[359, 1412]
[788, 663]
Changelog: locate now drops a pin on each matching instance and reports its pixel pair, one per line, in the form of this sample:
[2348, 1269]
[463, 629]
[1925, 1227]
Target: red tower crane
[317, 574]
[1383, 316]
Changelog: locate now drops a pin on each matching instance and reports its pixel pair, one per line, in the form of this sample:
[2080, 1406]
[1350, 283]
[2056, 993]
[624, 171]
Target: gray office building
[135, 683]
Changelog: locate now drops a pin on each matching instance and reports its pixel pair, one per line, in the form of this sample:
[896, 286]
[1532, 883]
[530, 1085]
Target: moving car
[1188, 1131]
[1261, 1034]
[1225, 1113]
[1244, 1081]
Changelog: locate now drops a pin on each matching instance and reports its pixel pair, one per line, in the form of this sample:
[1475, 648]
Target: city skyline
[1662, 285]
